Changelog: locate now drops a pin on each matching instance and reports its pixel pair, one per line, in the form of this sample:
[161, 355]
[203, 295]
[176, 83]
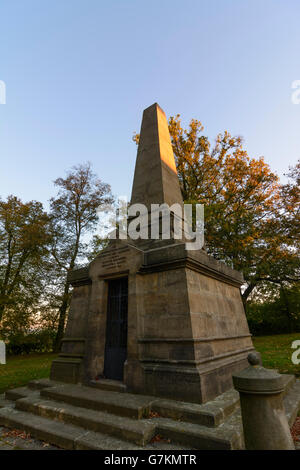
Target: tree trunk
[287, 309]
[65, 302]
[247, 292]
[2, 307]
[62, 318]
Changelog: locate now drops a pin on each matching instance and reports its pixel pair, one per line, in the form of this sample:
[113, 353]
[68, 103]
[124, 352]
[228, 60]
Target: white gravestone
[2, 352]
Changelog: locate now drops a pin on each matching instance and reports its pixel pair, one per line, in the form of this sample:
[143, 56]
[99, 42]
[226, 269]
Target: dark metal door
[116, 329]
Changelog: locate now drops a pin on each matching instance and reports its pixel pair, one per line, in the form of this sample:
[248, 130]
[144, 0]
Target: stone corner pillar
[264, 420]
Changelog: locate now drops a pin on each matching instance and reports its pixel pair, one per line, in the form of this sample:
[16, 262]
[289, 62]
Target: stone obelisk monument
[162, 319]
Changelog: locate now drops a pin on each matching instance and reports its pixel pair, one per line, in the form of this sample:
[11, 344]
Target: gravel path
[13, 439]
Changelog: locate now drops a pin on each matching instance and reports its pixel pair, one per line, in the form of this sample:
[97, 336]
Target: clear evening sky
[80, 72]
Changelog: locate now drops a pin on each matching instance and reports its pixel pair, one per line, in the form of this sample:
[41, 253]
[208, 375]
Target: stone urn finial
[253, 359]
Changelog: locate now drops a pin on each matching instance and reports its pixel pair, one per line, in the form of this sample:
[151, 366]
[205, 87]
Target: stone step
[210, 414]
[4, 402]
[139, 432]
[39, 384]
[62, 435]
[122, 404]
[20, 392]
[72, 416]
[106, 384]
[130, 405]
[22, 444]
[138, 406]
[227, 436]
[69, 436]
[291, 402]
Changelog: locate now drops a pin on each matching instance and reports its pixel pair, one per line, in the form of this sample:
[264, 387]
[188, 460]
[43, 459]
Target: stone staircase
[105, 417]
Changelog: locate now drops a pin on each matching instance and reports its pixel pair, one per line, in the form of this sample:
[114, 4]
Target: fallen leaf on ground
[153, 414]
[295, 430]
[159, 438]
[17, 433]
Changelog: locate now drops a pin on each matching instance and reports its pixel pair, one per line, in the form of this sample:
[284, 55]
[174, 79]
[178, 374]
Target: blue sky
[80, 72]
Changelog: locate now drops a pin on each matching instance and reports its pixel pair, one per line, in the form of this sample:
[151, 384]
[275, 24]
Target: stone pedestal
[187, 331]
[264, 420]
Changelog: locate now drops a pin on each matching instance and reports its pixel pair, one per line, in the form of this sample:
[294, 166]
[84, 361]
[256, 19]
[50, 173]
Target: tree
[24, 243]
[97, 244]
[280, 313]
[284, 264]
[73, 214]
[290, 197]
[250, 218]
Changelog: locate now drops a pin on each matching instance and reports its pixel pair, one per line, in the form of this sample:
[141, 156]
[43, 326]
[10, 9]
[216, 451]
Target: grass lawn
[19, 370]
[276, 352]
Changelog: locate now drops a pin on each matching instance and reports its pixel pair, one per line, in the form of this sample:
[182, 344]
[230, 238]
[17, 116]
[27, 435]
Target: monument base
[187, 331]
